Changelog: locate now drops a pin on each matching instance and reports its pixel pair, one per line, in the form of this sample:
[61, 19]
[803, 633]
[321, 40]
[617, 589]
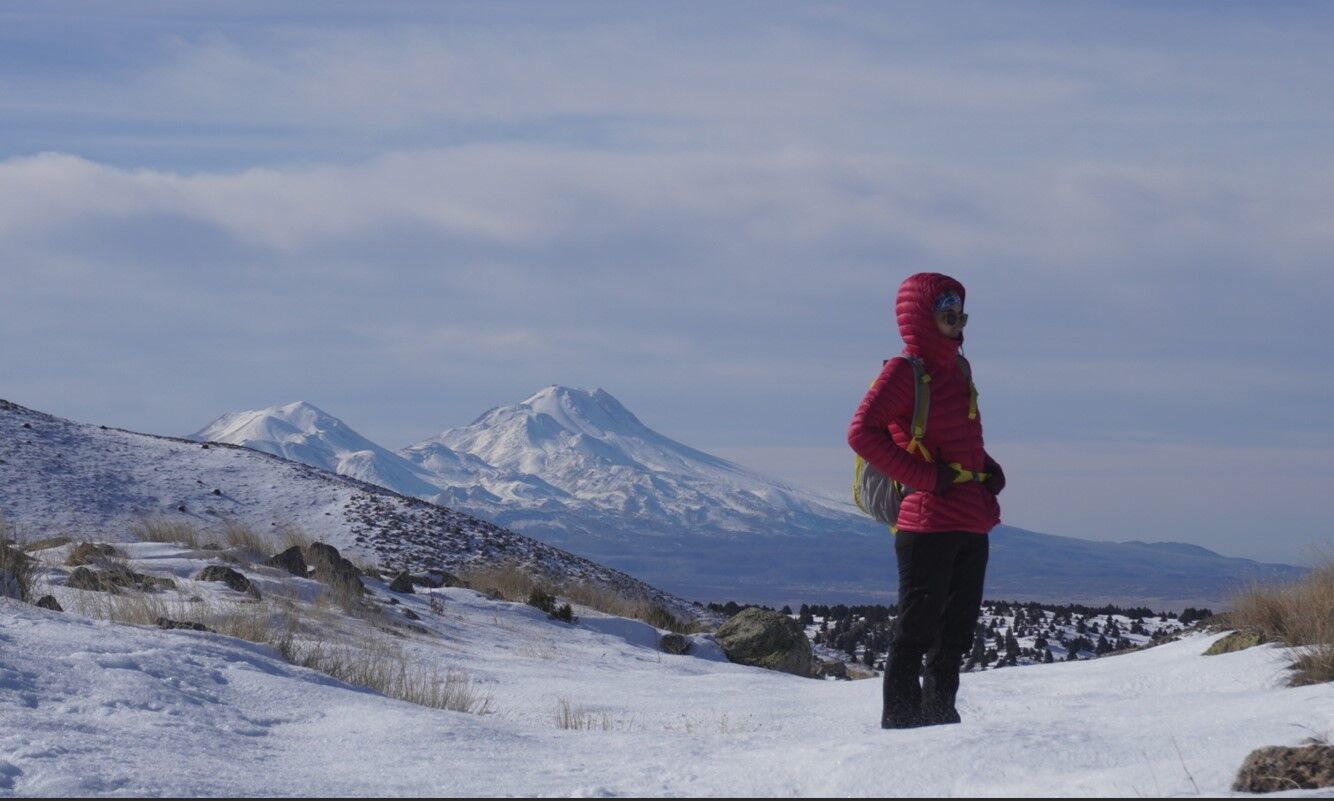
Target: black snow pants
[940, 595]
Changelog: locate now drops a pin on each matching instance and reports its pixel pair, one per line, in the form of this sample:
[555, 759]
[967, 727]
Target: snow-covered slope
[63, 477]
[575, 468]
[92, 708]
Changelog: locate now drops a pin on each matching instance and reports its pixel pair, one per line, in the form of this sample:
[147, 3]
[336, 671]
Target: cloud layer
[408, 220]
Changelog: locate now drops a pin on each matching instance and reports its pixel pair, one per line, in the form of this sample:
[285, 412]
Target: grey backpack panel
[879, 495]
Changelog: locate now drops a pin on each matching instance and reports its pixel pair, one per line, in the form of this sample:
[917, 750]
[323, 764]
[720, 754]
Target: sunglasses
[952, 318]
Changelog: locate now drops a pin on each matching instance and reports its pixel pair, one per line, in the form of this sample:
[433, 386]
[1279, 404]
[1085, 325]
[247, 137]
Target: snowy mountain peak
[287, 423]
[581, 411]
[303, 432]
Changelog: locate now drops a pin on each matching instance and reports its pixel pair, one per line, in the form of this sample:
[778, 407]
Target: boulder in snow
[290, 560]
[1268, 770]
[1235, 641]
[227, 576]
[766, 639]
[672, 643]
[332, 568]
[402, 583]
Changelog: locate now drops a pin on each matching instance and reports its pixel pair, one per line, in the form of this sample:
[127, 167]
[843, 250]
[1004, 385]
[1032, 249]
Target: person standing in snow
[941, 541]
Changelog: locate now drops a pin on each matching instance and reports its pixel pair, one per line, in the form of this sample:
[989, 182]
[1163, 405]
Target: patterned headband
[947, 299]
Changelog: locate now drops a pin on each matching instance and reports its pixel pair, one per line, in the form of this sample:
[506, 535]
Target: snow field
[97, 708]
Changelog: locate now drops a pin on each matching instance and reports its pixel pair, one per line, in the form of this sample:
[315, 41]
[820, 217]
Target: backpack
[877, 494]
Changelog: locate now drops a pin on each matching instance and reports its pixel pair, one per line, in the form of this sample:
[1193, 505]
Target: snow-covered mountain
[602, 459]
[304, 433]
[91, 481]
[575, 468]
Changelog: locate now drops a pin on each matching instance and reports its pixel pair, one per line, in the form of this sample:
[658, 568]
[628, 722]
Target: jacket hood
[913, 307]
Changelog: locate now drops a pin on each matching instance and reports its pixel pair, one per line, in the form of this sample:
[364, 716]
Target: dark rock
[672, 643]
[394, 601]
[168, 623]
[832, 669]
[129, 578]
[227, 576]
[118, 576]
[331, 568]
[766, 639]
[857, 672]
[436, 579]
[90, 553]
[49, 602]
[84, 579]
[290, 560]
[1268, 770]
[217, 492]
[411, 615]
[402, 583]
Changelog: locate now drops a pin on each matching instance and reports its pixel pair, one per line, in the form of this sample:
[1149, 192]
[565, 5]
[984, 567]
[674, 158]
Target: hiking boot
[939, 689]
[902, 692]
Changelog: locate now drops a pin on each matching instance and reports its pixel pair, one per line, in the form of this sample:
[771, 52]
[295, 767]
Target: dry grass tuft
[165, 529]
[18, 571]
[576, 718]
[505, 580]
[243, 537]
[386, 668]
[513, 582]
[246, 620]
[1300, 616]
[366, 661]
[292, 535]
[349, 597]
[613, 603]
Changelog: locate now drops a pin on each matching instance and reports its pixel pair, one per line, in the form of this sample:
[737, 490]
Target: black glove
[945, 476]
[995, 477]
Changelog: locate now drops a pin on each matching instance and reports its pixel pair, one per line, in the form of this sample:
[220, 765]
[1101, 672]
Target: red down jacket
[879, 432]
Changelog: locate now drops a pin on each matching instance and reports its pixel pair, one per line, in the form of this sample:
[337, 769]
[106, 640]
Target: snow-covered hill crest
[94, 482]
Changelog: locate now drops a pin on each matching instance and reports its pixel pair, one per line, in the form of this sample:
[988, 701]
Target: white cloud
[705, 214]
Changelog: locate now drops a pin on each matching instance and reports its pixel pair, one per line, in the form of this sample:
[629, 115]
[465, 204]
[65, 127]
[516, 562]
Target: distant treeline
[866, 632]
[876, 613]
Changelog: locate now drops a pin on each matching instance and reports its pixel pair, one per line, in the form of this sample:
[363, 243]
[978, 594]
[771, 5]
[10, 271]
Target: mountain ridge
[577, 469]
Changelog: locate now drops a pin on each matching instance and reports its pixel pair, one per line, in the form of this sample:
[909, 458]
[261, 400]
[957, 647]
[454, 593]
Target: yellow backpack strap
[921, 406]
[967, 370]
[858, 465]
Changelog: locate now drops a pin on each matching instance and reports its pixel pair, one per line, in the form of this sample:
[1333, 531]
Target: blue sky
[409, 213]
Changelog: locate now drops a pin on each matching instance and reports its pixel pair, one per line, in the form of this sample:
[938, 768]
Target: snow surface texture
[94, 482]
[575, 468]
[95, 708]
